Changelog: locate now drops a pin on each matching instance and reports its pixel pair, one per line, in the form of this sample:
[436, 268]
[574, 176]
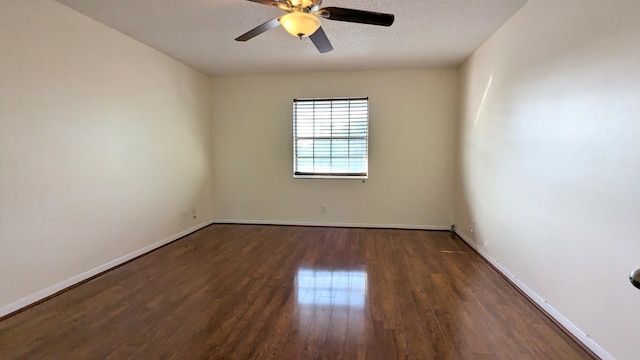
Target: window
[330, 137]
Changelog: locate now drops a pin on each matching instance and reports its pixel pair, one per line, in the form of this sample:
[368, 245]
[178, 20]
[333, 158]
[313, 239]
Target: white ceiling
[201, 33]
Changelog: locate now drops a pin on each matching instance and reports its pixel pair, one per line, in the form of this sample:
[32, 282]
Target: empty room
[307, 179]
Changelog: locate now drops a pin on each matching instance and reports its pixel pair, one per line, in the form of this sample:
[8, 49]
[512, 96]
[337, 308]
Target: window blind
[330, 137]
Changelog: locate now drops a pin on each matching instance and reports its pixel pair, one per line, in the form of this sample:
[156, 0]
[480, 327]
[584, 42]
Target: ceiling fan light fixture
[300, 24]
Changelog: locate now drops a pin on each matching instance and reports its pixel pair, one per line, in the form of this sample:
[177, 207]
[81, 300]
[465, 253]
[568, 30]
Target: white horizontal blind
[330, 137]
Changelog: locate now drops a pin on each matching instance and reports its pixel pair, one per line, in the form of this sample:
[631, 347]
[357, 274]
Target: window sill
[331, 177]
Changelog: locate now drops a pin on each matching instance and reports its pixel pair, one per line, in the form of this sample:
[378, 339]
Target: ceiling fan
[303, 20]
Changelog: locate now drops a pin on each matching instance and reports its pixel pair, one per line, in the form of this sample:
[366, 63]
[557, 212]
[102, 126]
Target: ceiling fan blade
[268, 2]
[273, 23]
[356, 16]
[282, 4]
[320, 40]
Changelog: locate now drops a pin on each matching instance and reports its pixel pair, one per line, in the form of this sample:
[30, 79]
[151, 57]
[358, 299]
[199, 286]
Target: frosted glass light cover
[300, 24]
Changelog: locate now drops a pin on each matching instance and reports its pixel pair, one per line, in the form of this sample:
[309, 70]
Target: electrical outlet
[323, 209]
[193, 212]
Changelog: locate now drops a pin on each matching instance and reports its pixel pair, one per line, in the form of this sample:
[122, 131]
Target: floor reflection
[337, 288]
[332, 301]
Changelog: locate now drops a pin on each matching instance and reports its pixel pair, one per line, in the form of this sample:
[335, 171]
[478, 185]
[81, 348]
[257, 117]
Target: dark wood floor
[269, 292]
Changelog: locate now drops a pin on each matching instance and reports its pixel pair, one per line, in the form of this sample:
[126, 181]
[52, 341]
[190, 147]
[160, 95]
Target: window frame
[319, 175]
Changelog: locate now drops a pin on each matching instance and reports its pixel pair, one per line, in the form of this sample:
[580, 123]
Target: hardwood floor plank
[290, 292]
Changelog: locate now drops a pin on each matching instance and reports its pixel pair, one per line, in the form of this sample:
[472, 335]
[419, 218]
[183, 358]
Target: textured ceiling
[201, 33]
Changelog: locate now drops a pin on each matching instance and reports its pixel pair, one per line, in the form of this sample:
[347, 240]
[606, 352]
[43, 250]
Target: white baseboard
[568, 325]
[37, 296]
[332, 224]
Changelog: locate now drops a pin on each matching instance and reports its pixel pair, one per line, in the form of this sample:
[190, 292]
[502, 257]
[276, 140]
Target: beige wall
[412, 131]
[104, 143]
[550, 160]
